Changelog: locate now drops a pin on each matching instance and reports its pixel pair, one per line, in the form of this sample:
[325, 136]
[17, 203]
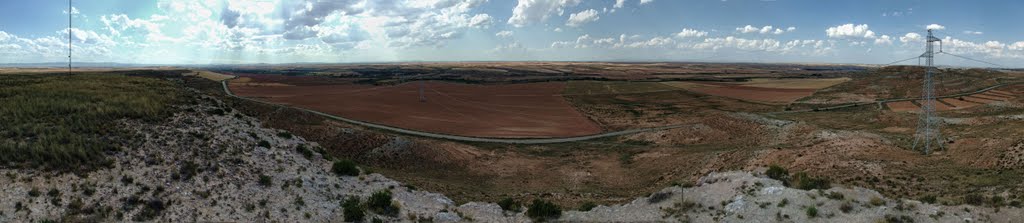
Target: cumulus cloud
[1017, 46]
[935, 27]
[850, 31]
[621, 3]
[583, 17]
[504, 34]
[531, 11]
[691, 33]
[764, 29]
[883, 40]
[481, 21]
[911, 37]
[748, 29]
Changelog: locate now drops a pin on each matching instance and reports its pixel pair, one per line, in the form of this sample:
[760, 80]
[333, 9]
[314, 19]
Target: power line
[903, 60]
[971, 59]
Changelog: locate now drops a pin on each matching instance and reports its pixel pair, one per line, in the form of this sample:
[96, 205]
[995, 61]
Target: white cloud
[973, 32]
[747, 29]
[619, 3]
[764, 29]
[1017, 46]
[481, 21]
[532, 11]
[911, 37]
[994, 45]
[691, 33]
[850, 31]
[504, 34]
[883, 40]
[558, 29]
[935, 27]
[74, 11]
[583, 17]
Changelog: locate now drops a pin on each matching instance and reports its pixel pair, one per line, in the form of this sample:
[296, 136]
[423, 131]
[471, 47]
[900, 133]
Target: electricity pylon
[928, 135]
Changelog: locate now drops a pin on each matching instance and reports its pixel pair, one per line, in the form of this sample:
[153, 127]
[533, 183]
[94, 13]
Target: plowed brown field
[510, 110]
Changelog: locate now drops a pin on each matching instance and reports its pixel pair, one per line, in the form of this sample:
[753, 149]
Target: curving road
[457, 137]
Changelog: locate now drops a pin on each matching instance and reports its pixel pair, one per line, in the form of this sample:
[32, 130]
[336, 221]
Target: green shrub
[354, 211]
[34, 192]
[846, 207]
[265, 181]
[929, 199]
[812, 212]
[286, 135]
[876, 201]
[150, 211]
[509, 204]
[264, 144]
[778, 173]
[783, 203]
[805, 182]
[587, 206]
[541, 210]
[306, 152]
[380, 203]
[835, 195]
[345, 168]
[974, 199]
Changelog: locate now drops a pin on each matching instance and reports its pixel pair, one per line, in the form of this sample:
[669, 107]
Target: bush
[34, 192]
[778, 173]
[658, 197]
[264, 144]
[846, 207]
[150, 211]
[265, 181]
[345, 168]
[588, 206]
[510, 204]
[804, 182]
[306, 152]
[380, 203]
[541, 210]
[974, 199]
[929, 199]
[286, 135]
[354, 211]
[835, 195]
[812, 212]
[876, 201]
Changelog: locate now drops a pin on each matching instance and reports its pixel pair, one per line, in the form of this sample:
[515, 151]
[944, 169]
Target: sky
[356, 31]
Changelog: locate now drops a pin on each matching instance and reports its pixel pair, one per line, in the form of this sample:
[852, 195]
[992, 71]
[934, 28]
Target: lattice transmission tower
[928, 136]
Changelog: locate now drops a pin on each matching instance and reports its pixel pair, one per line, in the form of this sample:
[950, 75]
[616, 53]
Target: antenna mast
[928, 126]
[69, 37]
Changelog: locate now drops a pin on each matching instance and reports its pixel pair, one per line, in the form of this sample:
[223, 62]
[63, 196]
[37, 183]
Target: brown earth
[509, 110]
[750, 93]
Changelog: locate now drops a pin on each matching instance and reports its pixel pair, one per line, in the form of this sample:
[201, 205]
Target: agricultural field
[512, 110]
[723, 129]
